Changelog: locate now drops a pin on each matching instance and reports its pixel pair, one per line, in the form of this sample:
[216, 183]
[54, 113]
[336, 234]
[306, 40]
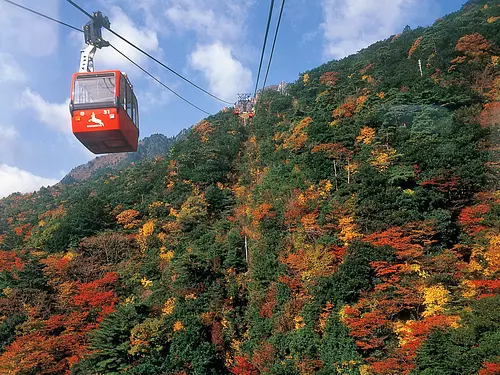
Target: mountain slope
[149, 148]
[351, 227]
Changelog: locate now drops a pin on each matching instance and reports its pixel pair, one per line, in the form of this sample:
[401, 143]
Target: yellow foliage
[147, 229]
[145, 282]
[468, 289]
[298, 138]
[364, 370]
[191, 296]
[435, 298]
[416, 268]
[494, 60]
[382, 158]
[325, 186]
[381, 95]
[178, 326]
[409, 191]
[130, 300]
[299, 322]
[348, 229]
[306, 79]
[166, 254]
[168, 306]
[493, 19]
[41, 223]
[342, 313]
[492, 254]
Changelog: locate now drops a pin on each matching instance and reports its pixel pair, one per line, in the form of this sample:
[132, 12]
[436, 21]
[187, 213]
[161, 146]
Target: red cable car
[104, 112]
[103, 106]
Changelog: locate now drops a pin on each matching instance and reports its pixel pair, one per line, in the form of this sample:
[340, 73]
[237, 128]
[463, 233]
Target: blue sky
[215, 43]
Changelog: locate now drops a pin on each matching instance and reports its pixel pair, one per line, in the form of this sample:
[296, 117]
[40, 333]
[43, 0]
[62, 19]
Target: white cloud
[226, 75]
[10, 70]
[351, 25]
[7, 134]
[17, 180]
[55, 116]
[215, 19]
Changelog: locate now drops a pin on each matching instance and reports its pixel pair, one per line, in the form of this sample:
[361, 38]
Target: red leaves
[9, 261]
[263, 357]
[471, 218]
[266, 311]
[329, 79]
[60, 340]
[243, 367]
[490, 368]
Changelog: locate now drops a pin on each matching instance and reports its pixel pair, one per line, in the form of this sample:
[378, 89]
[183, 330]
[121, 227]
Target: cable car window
[123, 93]
[129, 101]
[136, 121]
[92, 89]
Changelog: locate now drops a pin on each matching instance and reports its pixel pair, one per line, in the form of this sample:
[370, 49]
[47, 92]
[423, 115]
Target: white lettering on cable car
[95, 121]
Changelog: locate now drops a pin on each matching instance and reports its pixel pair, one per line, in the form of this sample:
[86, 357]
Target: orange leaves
[178, 326]
[329, 79]
[414, 47]
[475, 47]
[347, 109]
[298, 138]
[264, 210]
[490, 116]
[408, 242]
[310, 262]
[366, 135]
[128, 218]
[204, 129]
[325, 315]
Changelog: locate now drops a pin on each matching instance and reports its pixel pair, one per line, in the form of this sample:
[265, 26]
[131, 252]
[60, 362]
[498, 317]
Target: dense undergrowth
[353, 227]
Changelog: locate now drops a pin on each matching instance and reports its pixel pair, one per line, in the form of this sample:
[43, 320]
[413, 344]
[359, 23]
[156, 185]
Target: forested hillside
[352, 227]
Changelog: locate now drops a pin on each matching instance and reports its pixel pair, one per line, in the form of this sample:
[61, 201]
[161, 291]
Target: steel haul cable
[264, 46]
[116, 49]
[150, 56]
[274, 43]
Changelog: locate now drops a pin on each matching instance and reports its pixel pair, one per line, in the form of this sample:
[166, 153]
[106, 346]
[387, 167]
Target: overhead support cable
[43, 15]
[150, 56]
[274, 43]
[116, 49]
[264, 46]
